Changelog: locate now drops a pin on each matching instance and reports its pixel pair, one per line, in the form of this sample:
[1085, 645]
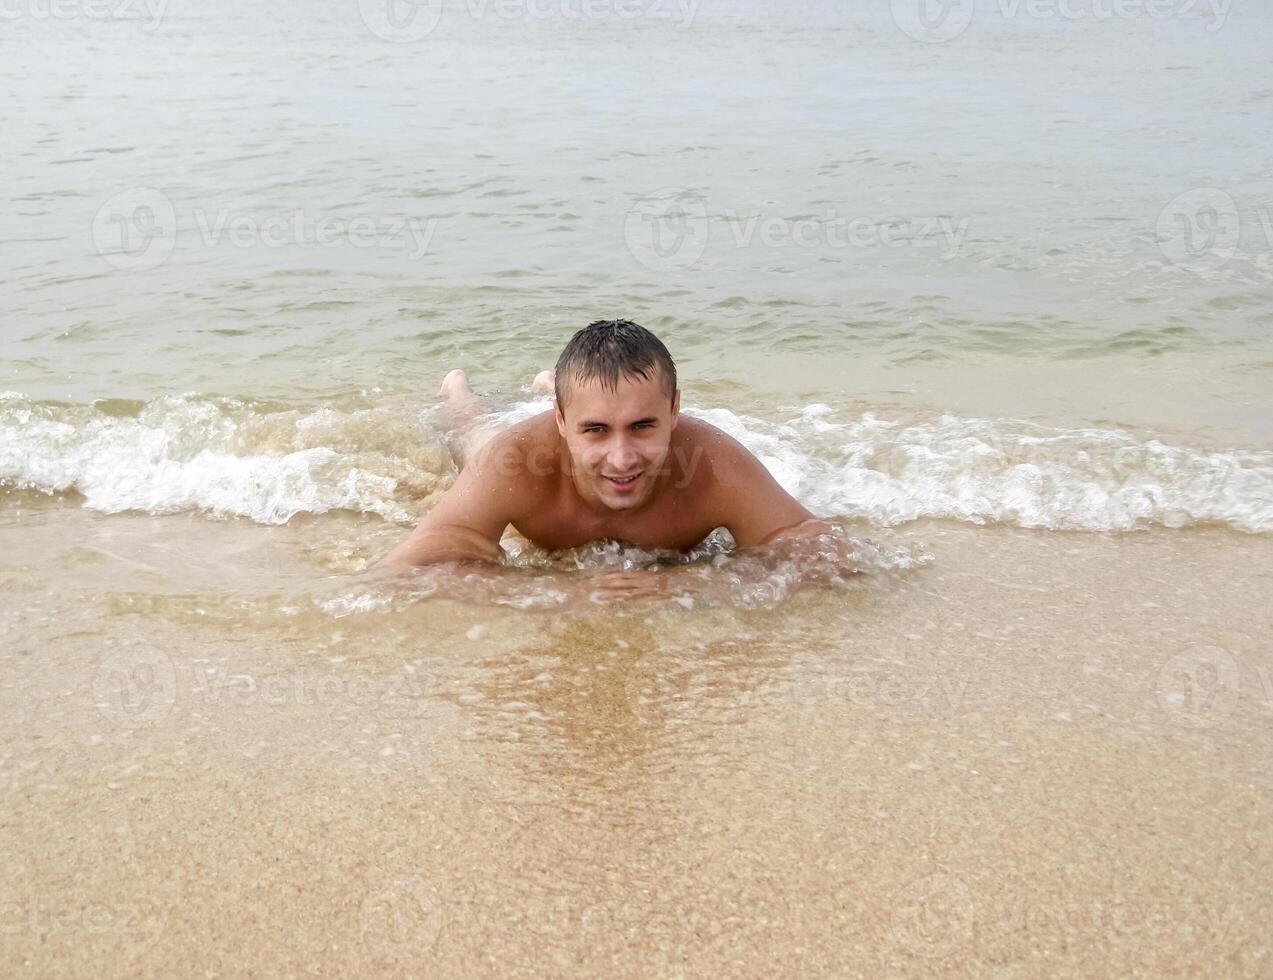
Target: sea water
[1017, 270]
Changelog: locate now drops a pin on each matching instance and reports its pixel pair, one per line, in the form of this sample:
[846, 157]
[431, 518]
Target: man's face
[618, 439]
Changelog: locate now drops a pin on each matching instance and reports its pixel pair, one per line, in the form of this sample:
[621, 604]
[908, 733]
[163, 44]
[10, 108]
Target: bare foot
[543, 383]
[464, 405]
[455, 385]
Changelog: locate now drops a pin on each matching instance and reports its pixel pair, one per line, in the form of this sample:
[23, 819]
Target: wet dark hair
[607, 350]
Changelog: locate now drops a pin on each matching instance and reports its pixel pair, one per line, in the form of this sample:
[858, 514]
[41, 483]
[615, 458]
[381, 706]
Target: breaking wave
[235, 457]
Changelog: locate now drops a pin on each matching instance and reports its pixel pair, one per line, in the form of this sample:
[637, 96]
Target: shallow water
[997, 305]
[814, 148]
[1041, 747]
[1085, 348]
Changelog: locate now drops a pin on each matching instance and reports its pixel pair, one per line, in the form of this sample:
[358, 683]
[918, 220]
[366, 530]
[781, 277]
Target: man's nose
[623, 455]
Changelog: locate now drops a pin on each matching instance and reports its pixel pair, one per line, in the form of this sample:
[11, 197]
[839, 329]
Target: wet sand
[1042, 754]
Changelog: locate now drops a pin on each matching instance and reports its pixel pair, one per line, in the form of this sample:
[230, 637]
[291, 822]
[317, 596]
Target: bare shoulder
[734, 486]
[710, 454]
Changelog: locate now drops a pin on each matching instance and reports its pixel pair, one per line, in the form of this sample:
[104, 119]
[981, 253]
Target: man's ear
[560, 417]
[676, 407]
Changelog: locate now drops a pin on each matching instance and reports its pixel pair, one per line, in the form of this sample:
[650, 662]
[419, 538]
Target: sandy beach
[1039, 754]
[988, 286]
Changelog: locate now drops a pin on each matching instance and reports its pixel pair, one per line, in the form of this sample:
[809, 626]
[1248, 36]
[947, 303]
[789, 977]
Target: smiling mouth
[624, 481]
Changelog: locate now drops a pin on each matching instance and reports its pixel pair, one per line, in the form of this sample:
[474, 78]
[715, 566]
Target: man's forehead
[594, 395]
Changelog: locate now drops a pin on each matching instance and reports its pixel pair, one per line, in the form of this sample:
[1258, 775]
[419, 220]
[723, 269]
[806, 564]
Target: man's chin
[617, 500]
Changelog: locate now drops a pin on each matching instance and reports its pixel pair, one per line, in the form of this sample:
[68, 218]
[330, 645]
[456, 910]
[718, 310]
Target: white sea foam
[1005, 471]
[191, 453]
[983, 470]
[180, 454]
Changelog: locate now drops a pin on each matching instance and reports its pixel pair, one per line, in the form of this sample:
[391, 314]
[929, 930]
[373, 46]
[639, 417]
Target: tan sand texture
[1041, 754]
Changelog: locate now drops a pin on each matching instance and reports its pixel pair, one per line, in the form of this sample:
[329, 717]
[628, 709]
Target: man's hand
[806, 529]
[610, 586]
[433, 543]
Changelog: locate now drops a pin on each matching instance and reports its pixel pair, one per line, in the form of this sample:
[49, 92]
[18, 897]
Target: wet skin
[611, 463]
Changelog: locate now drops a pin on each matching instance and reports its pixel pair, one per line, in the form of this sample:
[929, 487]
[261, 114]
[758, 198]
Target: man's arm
[756, 509]
[469, 520]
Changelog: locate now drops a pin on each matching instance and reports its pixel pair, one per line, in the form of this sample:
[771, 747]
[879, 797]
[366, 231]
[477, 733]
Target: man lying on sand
[613, 460]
